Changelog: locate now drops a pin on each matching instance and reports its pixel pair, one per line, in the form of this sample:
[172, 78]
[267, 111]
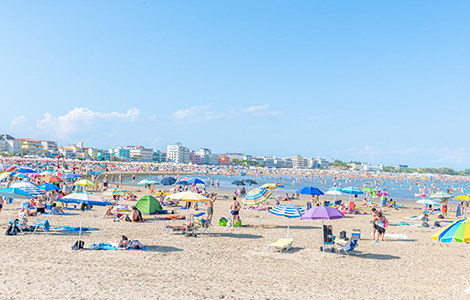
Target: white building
[140, 153]
[178, 153]
[10, 144]
[50, 146]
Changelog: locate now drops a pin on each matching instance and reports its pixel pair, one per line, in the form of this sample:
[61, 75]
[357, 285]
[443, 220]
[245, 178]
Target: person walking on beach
[381, 226]
[235, 211]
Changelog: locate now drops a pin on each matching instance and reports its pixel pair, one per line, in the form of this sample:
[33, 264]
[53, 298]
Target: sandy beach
[231, 263]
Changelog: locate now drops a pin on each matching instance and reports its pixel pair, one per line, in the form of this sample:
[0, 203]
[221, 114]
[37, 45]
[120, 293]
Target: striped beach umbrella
[28, 187]
[440, 195]
[14, 193]
[289, 211]
[53, 179]
[116, 192]
[458, 231]
[256, 197]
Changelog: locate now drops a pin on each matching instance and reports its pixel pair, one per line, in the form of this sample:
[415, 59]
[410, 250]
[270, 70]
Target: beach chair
[329, 238]
[18, 221]
[352, 207]
[173, 228]
[43, 224]
[349, 247]
[282, 244]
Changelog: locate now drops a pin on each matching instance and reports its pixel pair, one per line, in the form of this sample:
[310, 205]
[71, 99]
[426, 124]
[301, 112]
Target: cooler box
[356, 233]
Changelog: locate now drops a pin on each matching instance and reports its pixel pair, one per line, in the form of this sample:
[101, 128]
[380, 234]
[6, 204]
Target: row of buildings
[176, 153]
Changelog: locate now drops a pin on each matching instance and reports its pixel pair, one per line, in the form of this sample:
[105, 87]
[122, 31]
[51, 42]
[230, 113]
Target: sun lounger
[349, 247]
[281, 244]
[43, 224]
[181, 228]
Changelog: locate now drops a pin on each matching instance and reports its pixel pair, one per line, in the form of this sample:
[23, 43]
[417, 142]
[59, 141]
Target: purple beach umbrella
[322, 213]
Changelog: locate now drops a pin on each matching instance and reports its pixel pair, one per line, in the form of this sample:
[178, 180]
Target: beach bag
[78, 245]
[12, 230]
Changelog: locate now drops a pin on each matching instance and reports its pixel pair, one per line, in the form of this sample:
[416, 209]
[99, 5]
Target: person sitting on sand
[364, 202]
[40, 207]
[134, 217]
[108, 212]
[24, 210]
[123, 243]
[56, 210]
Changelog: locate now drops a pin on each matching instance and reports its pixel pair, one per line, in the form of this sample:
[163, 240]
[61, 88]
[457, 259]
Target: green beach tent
[148, 205]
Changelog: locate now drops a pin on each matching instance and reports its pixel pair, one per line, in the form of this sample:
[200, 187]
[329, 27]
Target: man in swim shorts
[210, 207]
[444, 202]
[235, 210]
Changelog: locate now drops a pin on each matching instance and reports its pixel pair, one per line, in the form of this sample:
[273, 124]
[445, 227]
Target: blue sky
[373, 81]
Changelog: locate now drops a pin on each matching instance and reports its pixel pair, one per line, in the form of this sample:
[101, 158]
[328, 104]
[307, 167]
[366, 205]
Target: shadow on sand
[163, 249]
[237, 235]
[375, 256]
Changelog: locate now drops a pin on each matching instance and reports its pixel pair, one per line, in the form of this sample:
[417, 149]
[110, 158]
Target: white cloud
[260, 110]
[62, 126]
[112, 134]
[17, 121]
[197, 113]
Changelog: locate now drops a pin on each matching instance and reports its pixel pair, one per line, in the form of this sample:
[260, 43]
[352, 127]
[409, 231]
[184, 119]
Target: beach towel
[109, 246]
[75, 229]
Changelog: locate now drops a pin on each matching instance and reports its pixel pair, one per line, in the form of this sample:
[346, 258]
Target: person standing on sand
[375, 216]
[444, 202]
[133, 177]
[235, 210]
[210, 207]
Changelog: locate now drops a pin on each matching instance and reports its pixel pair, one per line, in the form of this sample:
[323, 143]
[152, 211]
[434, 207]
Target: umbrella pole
[259, 217]
[323, 235]
[9, 216]
[288, 225]
[80, 231]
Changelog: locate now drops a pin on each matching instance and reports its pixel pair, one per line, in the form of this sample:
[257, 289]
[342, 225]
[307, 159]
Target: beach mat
[108, 246]
[75, 229]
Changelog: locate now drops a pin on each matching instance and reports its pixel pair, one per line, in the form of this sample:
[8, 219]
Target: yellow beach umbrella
[188, 197]
[463, 198]
[4, 175]
[271, 186]
[84, 182]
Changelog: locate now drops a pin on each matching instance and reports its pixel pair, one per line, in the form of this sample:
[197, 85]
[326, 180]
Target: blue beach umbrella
[310, 190]
[95, 172]
[168, 181]
[197, 181]
[14, 193]
[351, 191]
[25, 170]
[289, 211]
[48, 187]
[183, 182]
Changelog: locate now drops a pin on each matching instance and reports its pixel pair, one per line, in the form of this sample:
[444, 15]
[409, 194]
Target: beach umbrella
[6, 174]
[335, 188]
[33, 175]
[84, 199]
[11, 168]
[334, 193]
[428, 202]
[28, 187]
[148, 182]
[196, 181]
[458, 231]
[188, 197]
[182, 182]
[238, 182]
[116, 192]
[95, 172]
[84, 182]
[256, 197]
[463, 198]
[14, 193]
[440, 195]
[322, 213]
[25, 170]
[55, 179]
[289, 211]
[310, 190]
[48, 187]
[71, 176]
[168, 181]
[251, 182]
[351, 191]
[272, 186]
[367, 190]
[45, 173]
[19, 175]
